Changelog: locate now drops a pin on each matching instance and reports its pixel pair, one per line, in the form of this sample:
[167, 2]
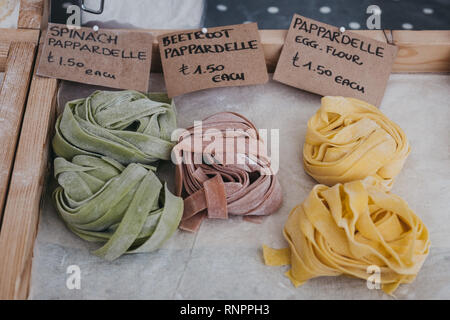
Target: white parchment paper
[224, 259]
[9, 13]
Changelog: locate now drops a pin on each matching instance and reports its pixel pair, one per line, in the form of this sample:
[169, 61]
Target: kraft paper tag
[216, 57]
[111, 58]
[317, 57]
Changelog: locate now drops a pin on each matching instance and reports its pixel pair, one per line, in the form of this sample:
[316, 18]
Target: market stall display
[113, 183]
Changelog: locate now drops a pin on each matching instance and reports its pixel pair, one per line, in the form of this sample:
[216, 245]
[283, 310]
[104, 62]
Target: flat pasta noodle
[349, 139]
[348, 228]
[125, 208]
[223, 169]
[126, 126]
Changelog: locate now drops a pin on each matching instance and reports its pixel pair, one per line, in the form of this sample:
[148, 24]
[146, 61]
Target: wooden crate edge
[21, 214]
[30, 14]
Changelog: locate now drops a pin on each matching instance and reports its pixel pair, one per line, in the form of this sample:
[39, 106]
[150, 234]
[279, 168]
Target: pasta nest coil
[125, 208]
[348, 139]
[126, 126]
[353, 229]
[222, 169]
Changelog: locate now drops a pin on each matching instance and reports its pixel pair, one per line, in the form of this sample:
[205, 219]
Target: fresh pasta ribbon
[346, 229]
[222, 169]
[126, 126]
[125, 208]
[348, 139]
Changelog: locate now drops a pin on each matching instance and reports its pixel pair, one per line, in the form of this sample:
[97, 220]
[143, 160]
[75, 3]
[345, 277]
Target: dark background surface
[396, 14]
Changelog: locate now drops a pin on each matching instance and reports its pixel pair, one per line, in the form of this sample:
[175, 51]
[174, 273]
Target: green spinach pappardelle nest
[127, 126]
[108, 192]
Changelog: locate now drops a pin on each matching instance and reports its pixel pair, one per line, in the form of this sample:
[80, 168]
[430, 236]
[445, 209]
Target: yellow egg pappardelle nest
[348, 229]
[349, 139]
[351, 224]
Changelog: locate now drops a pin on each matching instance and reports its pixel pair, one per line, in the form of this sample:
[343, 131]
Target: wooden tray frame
[17, 50]
[419, 51]
[17, 53]
[17, 59]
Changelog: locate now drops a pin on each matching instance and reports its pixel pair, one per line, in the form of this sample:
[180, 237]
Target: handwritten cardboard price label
[217, 57]
[317, 57]
[112, 58]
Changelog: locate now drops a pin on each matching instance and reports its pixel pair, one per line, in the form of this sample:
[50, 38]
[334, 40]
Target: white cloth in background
[9, 13]
[148, 14]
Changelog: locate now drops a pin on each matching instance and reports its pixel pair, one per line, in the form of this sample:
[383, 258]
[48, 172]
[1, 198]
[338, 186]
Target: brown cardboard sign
[317, 57]
[112, 58]
[216, 57]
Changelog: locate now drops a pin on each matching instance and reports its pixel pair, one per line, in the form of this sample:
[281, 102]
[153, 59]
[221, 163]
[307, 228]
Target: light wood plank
[435, 37]
[422, 51]
[13, 97]
[419, 51]
[21, 213]
[19, 35]
[4, 49]
[30, 14]
[14, 35]
[271, 40]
